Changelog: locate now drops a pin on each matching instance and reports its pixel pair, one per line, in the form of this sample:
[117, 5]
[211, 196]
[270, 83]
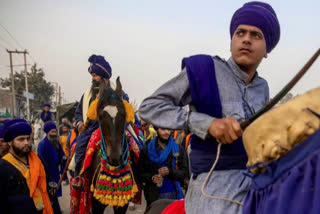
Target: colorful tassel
[114, 186]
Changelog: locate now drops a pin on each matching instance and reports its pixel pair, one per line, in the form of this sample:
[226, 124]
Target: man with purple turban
[51, 154]
[221, 93]
[101, 72]
[23, 186]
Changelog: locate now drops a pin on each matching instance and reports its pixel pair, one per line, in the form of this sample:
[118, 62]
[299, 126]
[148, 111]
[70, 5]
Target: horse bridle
[124, 146]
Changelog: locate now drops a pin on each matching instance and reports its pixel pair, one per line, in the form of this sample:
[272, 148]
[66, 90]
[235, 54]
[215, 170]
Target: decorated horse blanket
[111, 190]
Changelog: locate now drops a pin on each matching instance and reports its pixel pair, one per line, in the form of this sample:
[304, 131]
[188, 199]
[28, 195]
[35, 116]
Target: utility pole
[13, 107]
[60, 96]
[26, 80]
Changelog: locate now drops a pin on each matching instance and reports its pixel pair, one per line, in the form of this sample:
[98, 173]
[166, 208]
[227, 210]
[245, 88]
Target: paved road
[65, 203]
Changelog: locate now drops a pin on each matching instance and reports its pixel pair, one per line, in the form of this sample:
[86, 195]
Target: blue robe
[51, 160]
[45, 117]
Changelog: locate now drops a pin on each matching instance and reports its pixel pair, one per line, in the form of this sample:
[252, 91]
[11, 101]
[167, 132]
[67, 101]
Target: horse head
[111, 113]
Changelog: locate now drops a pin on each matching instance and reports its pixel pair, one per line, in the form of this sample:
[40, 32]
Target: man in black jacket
[163, 166]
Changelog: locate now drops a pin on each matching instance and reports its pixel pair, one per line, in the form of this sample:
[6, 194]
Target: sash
[37, 187]
[85, 104]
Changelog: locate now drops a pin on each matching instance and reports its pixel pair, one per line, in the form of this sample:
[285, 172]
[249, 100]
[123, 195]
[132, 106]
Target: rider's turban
[260, 15]
[47, 105]
[100, 66]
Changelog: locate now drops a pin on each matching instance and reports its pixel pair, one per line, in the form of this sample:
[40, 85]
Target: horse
[111, 113]
[38, 132]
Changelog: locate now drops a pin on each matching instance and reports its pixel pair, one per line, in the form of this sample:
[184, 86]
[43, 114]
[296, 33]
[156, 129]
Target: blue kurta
[51, 160]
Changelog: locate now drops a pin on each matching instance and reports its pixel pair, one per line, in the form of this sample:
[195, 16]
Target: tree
[38, 86]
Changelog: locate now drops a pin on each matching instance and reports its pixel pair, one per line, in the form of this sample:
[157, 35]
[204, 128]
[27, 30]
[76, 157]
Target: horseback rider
[46, 114]
[101, 73]
[221, 94]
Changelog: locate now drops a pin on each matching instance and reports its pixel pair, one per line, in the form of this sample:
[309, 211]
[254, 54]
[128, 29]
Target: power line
[19, 44]
[12, 37]
[16, 41]
[14, 65]
[5, 41]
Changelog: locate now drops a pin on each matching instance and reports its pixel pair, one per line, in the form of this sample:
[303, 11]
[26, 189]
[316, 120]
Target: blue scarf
[171, 147]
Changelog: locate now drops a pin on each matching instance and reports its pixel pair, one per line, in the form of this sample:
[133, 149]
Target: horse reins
[124, 145]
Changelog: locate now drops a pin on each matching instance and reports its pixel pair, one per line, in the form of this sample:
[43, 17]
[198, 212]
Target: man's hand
[157, 179]
[164, 171]
[225, 130]
[81, 127]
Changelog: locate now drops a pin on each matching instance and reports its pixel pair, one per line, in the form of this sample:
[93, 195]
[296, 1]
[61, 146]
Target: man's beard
[54, 141]
[53, 138]
[95, 87]
[21, 152]
[162, 140]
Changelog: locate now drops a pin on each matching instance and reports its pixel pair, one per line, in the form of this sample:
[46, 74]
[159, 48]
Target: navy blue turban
[48, 126]
[1, 131]
[14, 128]
[48, 105]
[100, 66]
[260, 15]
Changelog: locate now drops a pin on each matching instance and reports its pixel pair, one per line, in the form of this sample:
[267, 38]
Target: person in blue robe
[46, 114]
[51, 154]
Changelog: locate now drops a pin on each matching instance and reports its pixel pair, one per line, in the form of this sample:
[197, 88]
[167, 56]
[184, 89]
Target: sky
[145, 41]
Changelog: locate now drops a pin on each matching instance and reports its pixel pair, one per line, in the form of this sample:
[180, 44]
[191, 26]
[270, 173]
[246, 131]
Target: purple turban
[260, 15]
[48, 126]
[14, 128]
[47, 105]
[100, 66]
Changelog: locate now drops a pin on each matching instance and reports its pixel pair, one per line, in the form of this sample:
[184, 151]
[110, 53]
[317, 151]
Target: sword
[282, 93]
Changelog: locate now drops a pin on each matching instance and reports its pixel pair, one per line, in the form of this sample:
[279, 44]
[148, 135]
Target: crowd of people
[176, 147]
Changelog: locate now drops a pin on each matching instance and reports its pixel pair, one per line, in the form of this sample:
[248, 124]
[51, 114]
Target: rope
[102, 143]
[92, 186]
[134, 181]
[207, 178]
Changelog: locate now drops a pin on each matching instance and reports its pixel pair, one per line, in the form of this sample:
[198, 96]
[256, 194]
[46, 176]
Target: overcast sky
[144, 41]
